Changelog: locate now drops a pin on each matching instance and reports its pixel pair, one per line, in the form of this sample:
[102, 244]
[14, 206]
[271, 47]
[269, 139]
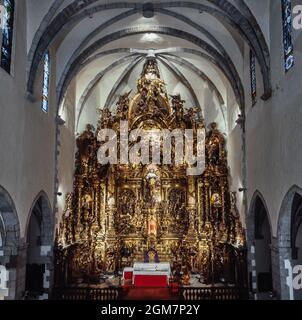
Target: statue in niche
[139, 204]
[166, 220]
[152, 188]
[87, 210]
[110, 260]
[127, 202]
[152, 228]
[99, 262]
[177, 204]
[216, 200]
[193, 254]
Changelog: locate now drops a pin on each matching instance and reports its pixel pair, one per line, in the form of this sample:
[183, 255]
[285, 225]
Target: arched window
[45, 88]
[8, 7]
[287, 20]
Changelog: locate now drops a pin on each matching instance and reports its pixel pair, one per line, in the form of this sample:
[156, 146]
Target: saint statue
[152, 230]
[152, 191]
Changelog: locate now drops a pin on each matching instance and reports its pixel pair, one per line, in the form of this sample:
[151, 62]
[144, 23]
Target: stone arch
[285, 248]
[39, 238]
[10, 236]
[284, 221]
[259, 242]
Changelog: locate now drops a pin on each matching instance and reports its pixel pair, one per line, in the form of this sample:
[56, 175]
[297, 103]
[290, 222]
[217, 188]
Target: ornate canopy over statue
[119, 213]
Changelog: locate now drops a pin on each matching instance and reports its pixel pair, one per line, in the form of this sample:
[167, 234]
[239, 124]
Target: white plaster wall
[274, 130]
[67, 149]
[26, 133]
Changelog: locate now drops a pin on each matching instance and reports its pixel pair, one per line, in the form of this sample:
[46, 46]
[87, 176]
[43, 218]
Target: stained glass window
[7, 34]
[287, 34]
[253, 76]
[45, 88]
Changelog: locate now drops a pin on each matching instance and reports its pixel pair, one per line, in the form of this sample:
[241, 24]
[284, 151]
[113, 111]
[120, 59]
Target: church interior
[93, 93]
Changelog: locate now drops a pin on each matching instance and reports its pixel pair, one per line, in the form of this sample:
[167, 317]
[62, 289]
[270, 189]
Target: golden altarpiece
[121, 214]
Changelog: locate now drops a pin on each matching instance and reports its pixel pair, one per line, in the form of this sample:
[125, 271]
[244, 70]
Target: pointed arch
[284, 250]
[43, 208]
[259, 242]
[39, 238]
[10, 222]
[256, 202]
[284, 220]
[10, 234]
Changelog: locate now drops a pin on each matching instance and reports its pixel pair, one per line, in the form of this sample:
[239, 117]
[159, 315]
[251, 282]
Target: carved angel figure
[178, 106]
[105, 118]
[84, 143]
[123, 105]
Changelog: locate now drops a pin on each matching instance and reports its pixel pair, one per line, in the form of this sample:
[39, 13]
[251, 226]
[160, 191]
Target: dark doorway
[35, 266]
[263, 248]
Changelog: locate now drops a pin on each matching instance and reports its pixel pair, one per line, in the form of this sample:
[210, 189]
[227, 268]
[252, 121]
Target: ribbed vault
[212, 32]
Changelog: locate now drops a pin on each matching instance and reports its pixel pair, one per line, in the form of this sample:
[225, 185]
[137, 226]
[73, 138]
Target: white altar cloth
[161, 269]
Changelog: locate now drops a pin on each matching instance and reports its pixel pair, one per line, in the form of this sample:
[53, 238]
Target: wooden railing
[98, 294]
[76, 293]
[214, 293]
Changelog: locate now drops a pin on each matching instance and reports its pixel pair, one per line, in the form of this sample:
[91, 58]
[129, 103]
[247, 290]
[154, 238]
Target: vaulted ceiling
[101, 46]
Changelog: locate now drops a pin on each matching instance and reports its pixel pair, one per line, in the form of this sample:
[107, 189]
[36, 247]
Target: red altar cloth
[128, 275]
[150, 281]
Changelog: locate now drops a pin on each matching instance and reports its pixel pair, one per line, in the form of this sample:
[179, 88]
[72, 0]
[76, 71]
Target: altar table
[151, 274]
